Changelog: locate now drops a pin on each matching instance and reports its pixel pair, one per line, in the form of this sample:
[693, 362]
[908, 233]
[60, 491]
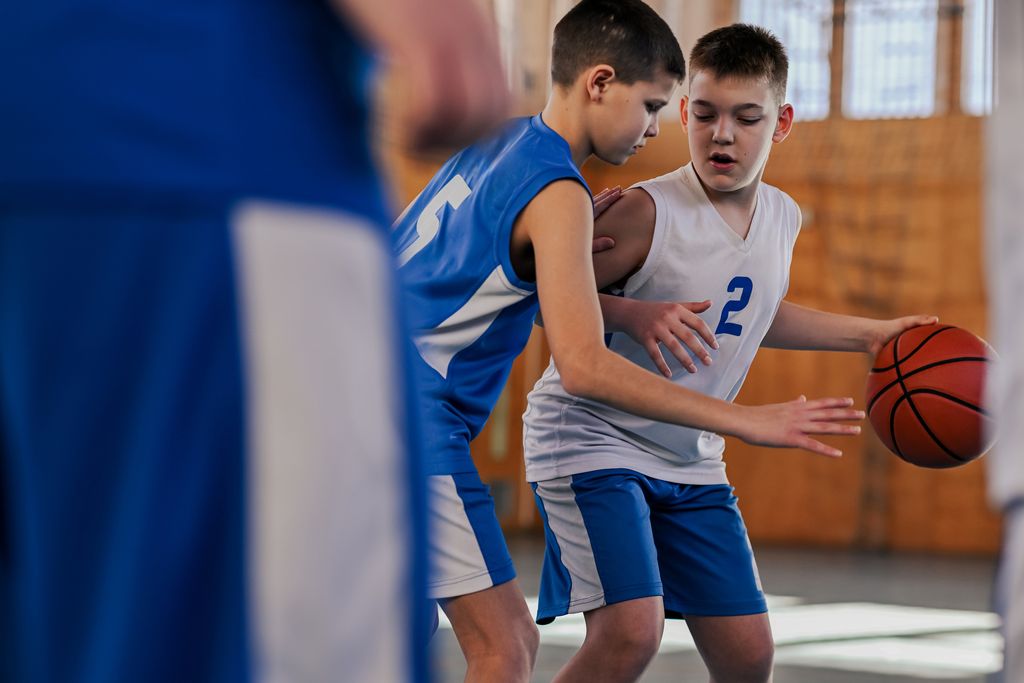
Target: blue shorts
[467, 549]
[203, 447]
[617, 535]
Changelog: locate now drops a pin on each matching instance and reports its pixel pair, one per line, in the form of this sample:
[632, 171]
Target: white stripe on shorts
[566, 522]
[327, 479]
[457, 565]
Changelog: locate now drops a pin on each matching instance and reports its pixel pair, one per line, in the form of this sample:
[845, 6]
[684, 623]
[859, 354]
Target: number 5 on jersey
[745, 286]
[454, 192]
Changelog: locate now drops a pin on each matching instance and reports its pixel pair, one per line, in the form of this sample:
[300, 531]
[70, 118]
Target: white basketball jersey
[694, 256]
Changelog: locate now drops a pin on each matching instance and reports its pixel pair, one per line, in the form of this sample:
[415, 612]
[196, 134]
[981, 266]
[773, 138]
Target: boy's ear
[684, 111]
[784, 123]
[598, 79]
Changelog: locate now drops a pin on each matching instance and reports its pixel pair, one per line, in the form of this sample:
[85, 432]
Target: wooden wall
[892, 226]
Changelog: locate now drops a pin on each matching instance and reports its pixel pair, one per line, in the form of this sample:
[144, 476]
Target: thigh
[599, 548]
[467, 548]
[707, 565]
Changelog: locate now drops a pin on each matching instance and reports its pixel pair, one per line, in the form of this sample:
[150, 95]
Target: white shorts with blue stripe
[467, 549]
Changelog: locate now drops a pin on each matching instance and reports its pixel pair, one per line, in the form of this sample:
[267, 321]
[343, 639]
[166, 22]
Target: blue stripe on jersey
[471, 313]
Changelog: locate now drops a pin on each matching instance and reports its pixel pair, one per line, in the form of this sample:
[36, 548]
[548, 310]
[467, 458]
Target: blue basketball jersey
[209, 100]
[471, 313]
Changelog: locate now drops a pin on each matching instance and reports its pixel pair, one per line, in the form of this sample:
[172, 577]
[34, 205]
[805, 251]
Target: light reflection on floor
[921, 642]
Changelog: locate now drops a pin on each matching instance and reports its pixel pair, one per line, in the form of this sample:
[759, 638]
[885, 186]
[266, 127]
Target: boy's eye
[749, 121]
[653, 108]
[703, 117]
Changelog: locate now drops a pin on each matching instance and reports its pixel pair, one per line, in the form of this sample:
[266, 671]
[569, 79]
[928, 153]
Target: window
[805, 28]
[976, 90]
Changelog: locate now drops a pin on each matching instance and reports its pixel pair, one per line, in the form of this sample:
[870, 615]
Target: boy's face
[627, 115]
[731, 124]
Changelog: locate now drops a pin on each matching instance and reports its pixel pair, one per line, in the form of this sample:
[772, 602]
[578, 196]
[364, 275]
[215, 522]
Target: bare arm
[802, 328]
[568, 299]
[629, 222]
[448, 52]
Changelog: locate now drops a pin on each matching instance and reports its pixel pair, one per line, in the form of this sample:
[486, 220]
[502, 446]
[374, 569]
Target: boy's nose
[722, 133]
[652, 130]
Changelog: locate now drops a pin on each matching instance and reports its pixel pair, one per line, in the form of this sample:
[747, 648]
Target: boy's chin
[615, 159]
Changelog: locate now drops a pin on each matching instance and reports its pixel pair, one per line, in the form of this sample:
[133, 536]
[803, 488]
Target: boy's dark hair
[625, 34]
[743, 51]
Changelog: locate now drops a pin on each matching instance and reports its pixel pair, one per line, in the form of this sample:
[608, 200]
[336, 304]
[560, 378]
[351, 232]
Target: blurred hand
[447, 51]
[788, 425]
[676, 325]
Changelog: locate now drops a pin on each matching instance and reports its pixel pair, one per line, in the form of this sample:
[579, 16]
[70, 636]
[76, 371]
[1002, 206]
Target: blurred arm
[448, 53]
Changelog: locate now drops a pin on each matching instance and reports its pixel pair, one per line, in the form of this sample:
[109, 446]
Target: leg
[622, 639]
[496, 633]
[474, 581]
[709, 574]
[601, 560]
[735, 649]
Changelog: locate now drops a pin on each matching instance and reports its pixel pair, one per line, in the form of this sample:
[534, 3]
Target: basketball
[925, 396]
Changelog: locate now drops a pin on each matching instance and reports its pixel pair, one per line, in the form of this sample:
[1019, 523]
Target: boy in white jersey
[640, 520]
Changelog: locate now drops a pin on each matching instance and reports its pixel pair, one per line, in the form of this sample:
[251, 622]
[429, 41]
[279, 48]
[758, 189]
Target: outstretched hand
[886, 330]
[676, 325]
[791, 424]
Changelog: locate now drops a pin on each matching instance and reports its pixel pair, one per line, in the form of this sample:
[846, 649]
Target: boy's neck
[736, 207]
[562, 117]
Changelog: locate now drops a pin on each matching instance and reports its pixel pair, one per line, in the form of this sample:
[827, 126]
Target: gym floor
[837, 617]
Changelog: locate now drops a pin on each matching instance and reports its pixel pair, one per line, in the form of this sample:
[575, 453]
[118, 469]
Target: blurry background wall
[885, 163]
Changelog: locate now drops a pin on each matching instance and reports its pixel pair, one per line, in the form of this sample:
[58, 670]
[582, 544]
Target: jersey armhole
[520, 199]
[653, 258]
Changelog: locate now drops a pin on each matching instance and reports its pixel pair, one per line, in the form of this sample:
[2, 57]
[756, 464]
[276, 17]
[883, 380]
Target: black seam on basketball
[892, 413]
[892, 428]
[928, 430]
[950, 397]
[896, 360]
[947, 361]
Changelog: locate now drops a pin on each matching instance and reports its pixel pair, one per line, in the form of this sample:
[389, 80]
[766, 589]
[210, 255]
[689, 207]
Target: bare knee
[627, 647]
[509, 645]
[753, 665]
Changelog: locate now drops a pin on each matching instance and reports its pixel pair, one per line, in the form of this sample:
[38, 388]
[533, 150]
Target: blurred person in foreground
[206, 469]
[1006, 281]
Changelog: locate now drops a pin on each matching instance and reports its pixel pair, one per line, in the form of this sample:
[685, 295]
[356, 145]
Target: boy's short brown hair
[744, 51]
[625, 34]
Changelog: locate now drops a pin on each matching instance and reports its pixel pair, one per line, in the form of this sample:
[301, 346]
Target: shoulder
[558, 197]
[636, 209]
[782, 202]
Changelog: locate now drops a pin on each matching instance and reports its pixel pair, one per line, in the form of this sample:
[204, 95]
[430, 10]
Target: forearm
[615, 311]
[604, 376]
[801, 328]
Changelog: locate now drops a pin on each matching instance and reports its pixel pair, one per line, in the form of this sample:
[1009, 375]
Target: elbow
[579, 380]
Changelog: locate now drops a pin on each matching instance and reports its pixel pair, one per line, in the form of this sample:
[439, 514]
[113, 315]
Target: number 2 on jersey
[454, 192]
[745, 286]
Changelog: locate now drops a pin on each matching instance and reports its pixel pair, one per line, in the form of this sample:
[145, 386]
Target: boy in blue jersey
[505, 226]
[640, 520]
[204, 465]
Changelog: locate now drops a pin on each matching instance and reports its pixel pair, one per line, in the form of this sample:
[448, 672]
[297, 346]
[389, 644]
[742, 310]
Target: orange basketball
[925, 396]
